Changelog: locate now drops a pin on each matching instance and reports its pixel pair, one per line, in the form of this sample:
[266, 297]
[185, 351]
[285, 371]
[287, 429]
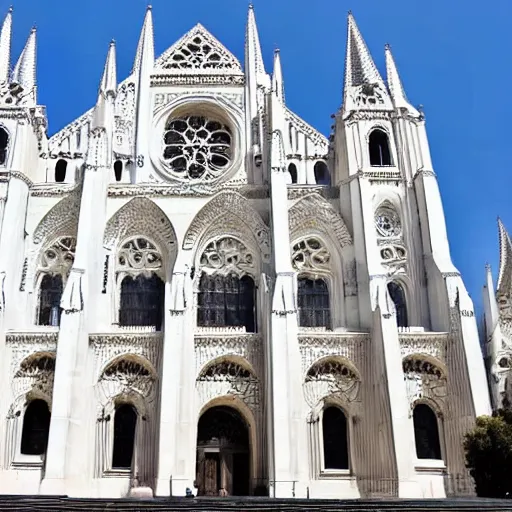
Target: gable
[199, 52]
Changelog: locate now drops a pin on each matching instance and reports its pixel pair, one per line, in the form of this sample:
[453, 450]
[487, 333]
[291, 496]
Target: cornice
[125, 339]
[32, 338]
[165, 79]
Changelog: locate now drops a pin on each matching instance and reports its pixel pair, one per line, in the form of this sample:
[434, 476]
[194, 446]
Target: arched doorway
[223, 453]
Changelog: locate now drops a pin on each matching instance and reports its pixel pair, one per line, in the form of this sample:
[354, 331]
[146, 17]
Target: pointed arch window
[426, 433]
[226, 295]
[397, 294]
[4, 143]
[292, 170]
[36, 427]
[322, 175]
[60, 170]
[142, 290]
[55, 265]
[380, 152]
[125, 425]
[335, 439]
[314, 303]
[118, 170]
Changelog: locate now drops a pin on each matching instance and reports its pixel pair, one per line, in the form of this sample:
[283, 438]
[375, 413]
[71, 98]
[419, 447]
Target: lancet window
[226, 296]
[36, 427]
[4, 143]
[335, 439]
[292, 170]
[426, 432]
[197, 147]
[140, 271]
[380, 152]
[60, 170]
[55, 265]
[322, 175]
[397, 294]
[311, 259]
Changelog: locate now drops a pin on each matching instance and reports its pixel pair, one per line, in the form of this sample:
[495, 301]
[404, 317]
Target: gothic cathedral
[198, 290]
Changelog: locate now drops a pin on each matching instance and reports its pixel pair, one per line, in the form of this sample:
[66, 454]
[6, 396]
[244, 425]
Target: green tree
[489, 454]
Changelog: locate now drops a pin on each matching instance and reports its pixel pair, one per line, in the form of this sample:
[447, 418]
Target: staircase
[57, 504]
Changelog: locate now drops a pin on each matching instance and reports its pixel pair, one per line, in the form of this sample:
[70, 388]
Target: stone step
[58, 504]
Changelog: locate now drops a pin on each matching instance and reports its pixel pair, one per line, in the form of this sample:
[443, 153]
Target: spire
[146, 42]
[25, 70]
[253, 55]
[364, 87]
[5, 47]
[505, 274]
[277, 78]
[395, 84]
[108, 88]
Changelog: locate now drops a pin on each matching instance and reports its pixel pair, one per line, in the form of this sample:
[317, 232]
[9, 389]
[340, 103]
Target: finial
[112, 42]
[10, 8]
[488, 267]
[149, 7]
[350, 13]
[387, 46]
[34, 28]
[251, 6]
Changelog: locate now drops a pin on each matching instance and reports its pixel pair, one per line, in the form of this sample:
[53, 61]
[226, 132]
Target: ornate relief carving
[387, 221]
[140, 215]
[162, 99]
[162, 80]
[59, 257]
[227, 256]
[310, 254]
[315, 213]
[432, 345]
[350, 279]
[299, 191]
[210, 348]
[52, 189]
[223, 205]
[61, 220]
[199, 52]
[139, 255]
[229, 378]
[331, 377]
[125, 118]
[35, 374]
[368, 95]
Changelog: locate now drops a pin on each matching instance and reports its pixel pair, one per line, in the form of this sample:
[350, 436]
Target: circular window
[387, 222]
[197, 147]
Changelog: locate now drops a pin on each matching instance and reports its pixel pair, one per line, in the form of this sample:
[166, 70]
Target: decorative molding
[33, 338]
[162, 99]
[128, 340]
[52, 189]
[300, 191]
[163, 80]
[432, 344]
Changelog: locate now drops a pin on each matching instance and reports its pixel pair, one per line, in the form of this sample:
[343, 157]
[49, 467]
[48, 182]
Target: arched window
[125, 424]
[322, 176]
[60, 170]
[292, 170]
[314, 303]
[226, 301]
[142, 301]
[36, 426]
[118, 170]
[334, 429]
[426, 433]
[50, 295]
[397, 295]
[4, 142]
[380, 154]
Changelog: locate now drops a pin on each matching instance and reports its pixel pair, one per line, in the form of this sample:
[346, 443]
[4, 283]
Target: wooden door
[211, 479]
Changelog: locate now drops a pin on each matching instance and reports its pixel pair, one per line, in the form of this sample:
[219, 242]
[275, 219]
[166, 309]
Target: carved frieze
[434, 345]
[162, 99]
[300, 191]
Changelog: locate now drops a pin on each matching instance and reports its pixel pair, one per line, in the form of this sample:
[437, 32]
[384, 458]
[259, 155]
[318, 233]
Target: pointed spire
[277, 78]
[5, 47]
[253, 55]
[505, 274]
[146, 45]
[108, 88]
[395, 84]
[25, 69]
[360, 70]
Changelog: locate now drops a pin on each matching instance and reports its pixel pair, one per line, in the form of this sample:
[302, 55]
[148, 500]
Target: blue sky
[454, 57]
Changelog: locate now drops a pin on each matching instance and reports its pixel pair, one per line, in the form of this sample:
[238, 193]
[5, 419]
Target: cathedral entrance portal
[223, 453]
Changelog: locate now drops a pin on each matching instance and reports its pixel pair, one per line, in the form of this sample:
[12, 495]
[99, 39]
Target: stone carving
[350, 279]
[105, 274]
[300, 191]
[431, 345]
[125, 118]
[162, 99]
[368, 95]
[387, 221]
[196, 147]
[198, 51]
[162, 80]
[394, 257]
[52, 189]
[227, 256]
[140, 215]
[331, 377]
[61, 220]
[423, 379]
[35, 374]
[229, 205]
[315, 213]
[23, 275]
[139, 255]
[310, 254]
[59, 257]
[229, 378]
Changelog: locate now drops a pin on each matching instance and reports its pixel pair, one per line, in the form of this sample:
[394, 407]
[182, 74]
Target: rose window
[387, 222]
[197, 147]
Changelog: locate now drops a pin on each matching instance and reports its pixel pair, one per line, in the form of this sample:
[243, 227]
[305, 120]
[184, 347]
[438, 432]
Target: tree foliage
[489, 454]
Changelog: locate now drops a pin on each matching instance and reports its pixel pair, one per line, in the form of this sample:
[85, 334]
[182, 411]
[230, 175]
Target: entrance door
[211, 475]
[241, 474]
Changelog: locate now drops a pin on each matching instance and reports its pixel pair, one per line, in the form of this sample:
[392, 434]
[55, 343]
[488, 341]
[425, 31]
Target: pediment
[199, 52]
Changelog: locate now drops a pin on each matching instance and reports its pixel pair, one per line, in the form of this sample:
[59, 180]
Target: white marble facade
[196, 286]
